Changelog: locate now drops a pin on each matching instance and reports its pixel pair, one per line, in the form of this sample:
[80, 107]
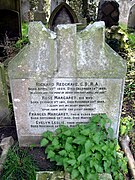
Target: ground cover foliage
[19, 165]
[86, 150]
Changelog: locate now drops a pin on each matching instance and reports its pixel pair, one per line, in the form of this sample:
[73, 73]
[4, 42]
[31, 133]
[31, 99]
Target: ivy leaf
[81, 170]
[44, 142]
[74, 174]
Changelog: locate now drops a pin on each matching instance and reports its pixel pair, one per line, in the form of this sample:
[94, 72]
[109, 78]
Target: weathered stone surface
[108, 11]
[25, 10]
[64, 78]
[131, 18]
[53, 175]
[124, 8]
[4, 101]
[40, 16]
[105, 176]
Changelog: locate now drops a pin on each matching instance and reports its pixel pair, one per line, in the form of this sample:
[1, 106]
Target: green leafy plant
[126, 125]
[86, 150]
[24, 40]
[19, 165]
[117, 39]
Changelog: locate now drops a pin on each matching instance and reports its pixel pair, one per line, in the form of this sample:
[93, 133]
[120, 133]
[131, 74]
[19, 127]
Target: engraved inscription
[65, 101]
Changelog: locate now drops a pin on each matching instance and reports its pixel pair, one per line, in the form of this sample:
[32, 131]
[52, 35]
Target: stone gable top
[57, 10]
[67, 53]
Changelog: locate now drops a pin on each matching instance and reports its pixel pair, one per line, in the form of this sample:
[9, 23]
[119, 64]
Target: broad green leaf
[111, 132]
[95, 119]
[55, 142]
[81, 158]
[74, 174]
[88, 146]
[85, 132]
[81, 170]
[92, 177]
[107, 165]
[69, 140]
[96, 138]
[72, 162]
[102, 122]
[71, 155]
[63, 153]
[48, 135]
[51, 154]
[67, 133]
[68, 147]
[105, 147]
[79, 140]
[44, 142]
[98, 168]
[65, 164]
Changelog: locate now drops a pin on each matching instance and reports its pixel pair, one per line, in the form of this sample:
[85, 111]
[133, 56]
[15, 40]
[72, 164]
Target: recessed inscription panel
[70, 101]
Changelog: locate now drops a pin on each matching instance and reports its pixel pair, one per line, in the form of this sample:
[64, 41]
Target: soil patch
[40, 158]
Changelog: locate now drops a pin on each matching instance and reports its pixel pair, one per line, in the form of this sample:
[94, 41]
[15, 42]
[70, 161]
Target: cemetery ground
[126, 48]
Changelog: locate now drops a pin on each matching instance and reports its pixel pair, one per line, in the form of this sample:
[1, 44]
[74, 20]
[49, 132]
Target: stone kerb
[53, 68]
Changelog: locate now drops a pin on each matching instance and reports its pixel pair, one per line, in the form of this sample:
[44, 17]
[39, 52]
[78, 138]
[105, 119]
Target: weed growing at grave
[24, 40]
[86, 150]
[117, 40]
[126, 125]
[19, 165]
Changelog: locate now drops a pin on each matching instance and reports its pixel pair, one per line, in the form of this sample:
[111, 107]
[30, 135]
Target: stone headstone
[108, 11]
[54, 4]
[40, 15]
[64, 78]
[62, 14]
[4, 101]
[25, 10]
[10, 22]
[131, 18]
[124, 9]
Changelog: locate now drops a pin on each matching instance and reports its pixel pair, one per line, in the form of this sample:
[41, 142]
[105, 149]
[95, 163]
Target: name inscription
[65, 101]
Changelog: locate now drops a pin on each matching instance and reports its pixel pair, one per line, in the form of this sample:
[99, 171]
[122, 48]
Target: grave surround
[64, 78]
